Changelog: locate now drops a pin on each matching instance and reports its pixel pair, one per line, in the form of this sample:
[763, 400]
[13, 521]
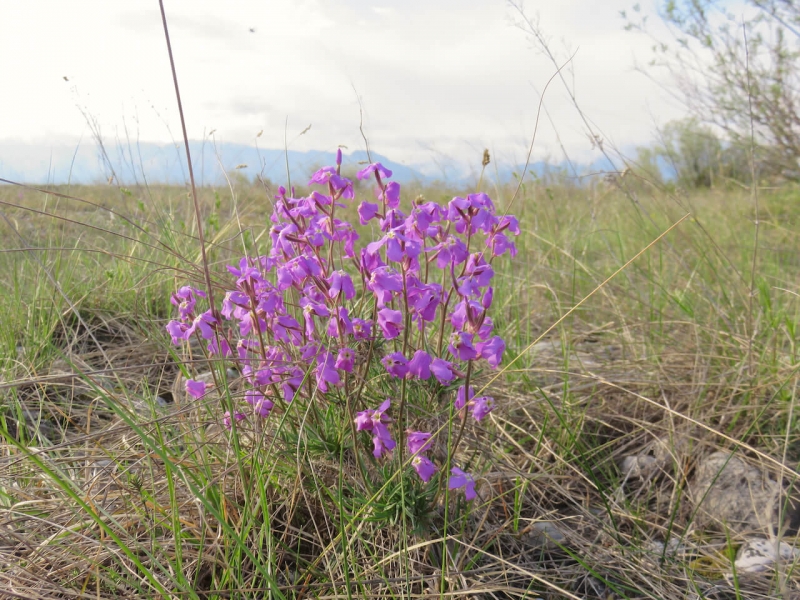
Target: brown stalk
[206, 271]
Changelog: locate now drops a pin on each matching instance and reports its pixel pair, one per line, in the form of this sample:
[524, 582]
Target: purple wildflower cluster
[302, 319]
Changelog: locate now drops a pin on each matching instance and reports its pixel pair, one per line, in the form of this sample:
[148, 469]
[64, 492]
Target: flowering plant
[315, 316]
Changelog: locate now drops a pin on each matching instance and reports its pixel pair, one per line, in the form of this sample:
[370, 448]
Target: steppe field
[642, 439]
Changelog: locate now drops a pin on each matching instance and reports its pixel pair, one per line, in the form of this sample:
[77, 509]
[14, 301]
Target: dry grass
[107, 492]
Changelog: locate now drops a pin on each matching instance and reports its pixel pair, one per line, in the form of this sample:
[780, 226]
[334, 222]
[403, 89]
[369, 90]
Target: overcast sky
[438, 79]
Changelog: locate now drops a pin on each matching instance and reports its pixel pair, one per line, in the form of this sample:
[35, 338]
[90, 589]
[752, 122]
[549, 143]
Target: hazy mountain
[158, 163]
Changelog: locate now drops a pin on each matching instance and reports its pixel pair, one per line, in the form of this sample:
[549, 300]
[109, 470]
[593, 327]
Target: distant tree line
[691, 155]
[739, 76]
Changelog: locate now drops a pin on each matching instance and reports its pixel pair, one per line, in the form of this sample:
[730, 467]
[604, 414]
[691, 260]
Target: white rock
[729, 493]
[672, 548]
[639, 466]
[757, 555]
[547, 534]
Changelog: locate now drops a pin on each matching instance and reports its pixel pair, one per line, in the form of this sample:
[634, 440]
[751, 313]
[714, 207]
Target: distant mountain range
[158, 163]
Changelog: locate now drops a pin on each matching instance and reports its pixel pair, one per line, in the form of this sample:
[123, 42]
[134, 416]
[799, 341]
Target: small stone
[641, 466]
[672, 548]
[658, 456]
[547, 534]
[759, 555]
[730, 493]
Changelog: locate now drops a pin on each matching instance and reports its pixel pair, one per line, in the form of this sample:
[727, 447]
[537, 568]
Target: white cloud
[437, 79]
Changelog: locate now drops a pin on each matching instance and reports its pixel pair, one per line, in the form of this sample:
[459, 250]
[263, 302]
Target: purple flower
[477, 210]
[340, 323]
[461, 400]
[393, 242]
[486, 329]
[302, 267]
[195, 389]
[398, 246]
[392, 194]
[262, 376]
[426, 214]
[499, 244]
[223, 348]
[377, 168]
[345, 233]
[363, 420]
[396, 364]
[369, 263]
[291, 384]
[458, 213]
[185, 300]
[465, 315]
[261, 404]
[226, 418]
[309, 249]
[393, 219]
[488, 296]
[205, 324]
[283, 236]
[310, 310]
[319, 199]
[338, 231]
[310, 352]
[391, 322]
[450, 251]
[424, 300]
[178, 331]
[249, 280]
[247, 323]
[341, 283]
[367, 211]
[375, 420]
[459, 479]
[508, 222]
[244, 348]
[326, 371]
[383, 282]
[481, 406]
[339, 183]
[252, 397]
[420, 365]
[382, 441]
[345, 360]
[492, 350]
[263, 407]
[478, 274]
[424, 467]
[442, 370]
[362, 330]
[286, 329]
[461, 346]
[418, 442]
